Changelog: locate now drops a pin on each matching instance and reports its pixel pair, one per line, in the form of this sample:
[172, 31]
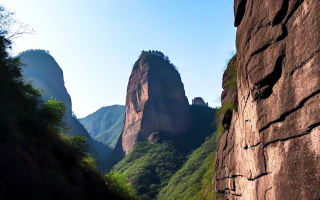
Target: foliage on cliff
[37, 160]
[220, 114]
[149, 166]
[229, 99]
[106, 124]
[232, 71]
[191, 181]
[47, 75]
[145, 54]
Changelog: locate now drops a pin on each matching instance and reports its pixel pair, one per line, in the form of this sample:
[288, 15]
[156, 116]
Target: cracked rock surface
[271, 149]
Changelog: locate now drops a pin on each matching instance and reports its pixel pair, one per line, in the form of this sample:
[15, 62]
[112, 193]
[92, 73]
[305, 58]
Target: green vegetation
[150, 166]
[52, 114]
[40, 161]
[191, 181]
[147, 54]
[232, 71]
[41, 67]
[80, 143]
[106, 124]
[230, 85]
[117, 183]
[220, 113]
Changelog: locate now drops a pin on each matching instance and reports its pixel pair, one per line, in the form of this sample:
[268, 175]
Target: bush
[117, 185]
[232, 71]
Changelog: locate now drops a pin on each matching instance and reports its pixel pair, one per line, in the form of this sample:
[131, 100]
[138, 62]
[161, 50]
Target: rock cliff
[155, 101]
[47, 75]
[270, 148]
[36, 161]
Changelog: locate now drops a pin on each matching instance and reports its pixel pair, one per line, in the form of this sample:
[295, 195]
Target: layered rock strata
[155, 101]
[271, 148]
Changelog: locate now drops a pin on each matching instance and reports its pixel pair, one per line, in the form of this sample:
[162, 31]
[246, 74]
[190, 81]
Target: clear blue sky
[96, 43]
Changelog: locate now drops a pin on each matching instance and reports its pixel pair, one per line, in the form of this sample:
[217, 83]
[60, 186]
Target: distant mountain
[106, 124]
[45, 74]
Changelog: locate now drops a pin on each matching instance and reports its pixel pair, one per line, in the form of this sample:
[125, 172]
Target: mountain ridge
[105, 124]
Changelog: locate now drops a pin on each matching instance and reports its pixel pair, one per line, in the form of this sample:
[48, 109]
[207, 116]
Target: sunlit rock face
[271, 149]
[155, 101]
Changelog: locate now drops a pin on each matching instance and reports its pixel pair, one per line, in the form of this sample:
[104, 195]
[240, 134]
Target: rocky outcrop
[47, 75]
[198, 101]
[271, 149]
[229, 83]
[155, 101]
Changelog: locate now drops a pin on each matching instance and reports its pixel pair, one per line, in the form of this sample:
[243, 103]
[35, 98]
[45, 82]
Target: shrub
[52, 114]
[117, 185]
[232, 71]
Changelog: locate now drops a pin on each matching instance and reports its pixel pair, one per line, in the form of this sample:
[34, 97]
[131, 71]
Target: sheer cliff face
[271, 149]
[155, 101]
[47, 75]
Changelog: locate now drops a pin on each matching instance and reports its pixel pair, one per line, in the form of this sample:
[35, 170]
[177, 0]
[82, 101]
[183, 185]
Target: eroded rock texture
[272, 149]
[155, 101]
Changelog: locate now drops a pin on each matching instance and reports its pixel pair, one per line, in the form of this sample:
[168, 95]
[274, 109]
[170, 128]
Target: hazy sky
[96, 42]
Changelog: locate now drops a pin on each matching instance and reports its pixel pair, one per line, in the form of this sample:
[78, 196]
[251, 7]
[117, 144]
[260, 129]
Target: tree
[7, 21]
[80, 142]
[52, 115]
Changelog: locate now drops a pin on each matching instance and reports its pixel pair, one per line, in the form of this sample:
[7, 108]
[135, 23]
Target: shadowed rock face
[272, 147]
[46, 74]
[155, 101]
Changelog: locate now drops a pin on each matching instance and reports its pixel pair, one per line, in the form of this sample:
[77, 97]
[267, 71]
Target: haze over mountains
[106, 124]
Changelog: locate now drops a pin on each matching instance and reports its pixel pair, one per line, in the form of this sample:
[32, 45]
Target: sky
[96, 42]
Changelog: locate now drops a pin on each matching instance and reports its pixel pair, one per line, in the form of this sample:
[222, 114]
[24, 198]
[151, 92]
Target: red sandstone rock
[155, 101]
[272, 147]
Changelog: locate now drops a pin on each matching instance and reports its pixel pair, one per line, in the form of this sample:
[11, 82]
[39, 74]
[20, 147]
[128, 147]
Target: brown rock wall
[155, 101]
[272, 148]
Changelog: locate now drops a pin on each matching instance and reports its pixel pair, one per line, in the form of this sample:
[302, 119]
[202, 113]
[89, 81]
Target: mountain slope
[193, 180]
[106, 124]
[47, 75]
[151, 165]
[37, 161]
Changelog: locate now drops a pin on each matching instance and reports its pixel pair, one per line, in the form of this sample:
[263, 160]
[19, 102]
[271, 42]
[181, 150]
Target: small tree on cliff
[80, 142]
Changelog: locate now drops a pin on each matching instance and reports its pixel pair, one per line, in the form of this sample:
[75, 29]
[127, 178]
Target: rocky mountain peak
[155, 101]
